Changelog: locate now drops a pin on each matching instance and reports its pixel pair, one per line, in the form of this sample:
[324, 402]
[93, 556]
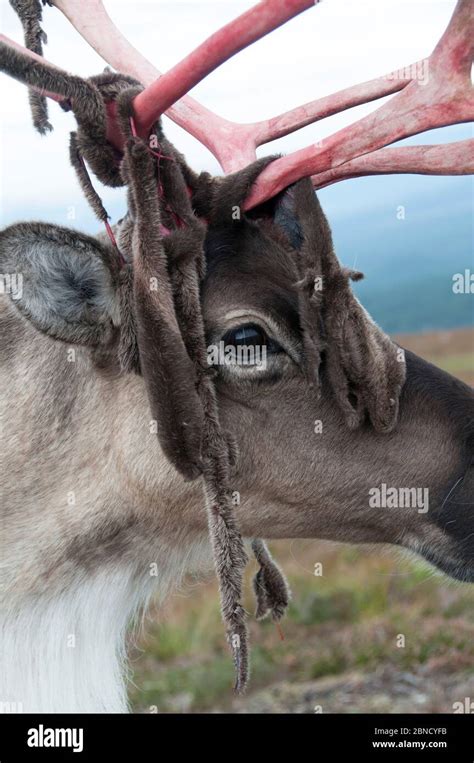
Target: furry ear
[66, 281]
[297, 213]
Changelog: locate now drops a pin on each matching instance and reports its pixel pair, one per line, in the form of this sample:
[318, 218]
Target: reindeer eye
[251, 335]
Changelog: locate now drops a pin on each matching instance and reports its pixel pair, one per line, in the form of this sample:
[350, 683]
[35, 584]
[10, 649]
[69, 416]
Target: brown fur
[168, 372]
[229, 554]
[365, 367]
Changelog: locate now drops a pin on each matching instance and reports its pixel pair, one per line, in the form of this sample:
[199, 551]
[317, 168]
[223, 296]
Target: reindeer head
[323, 409]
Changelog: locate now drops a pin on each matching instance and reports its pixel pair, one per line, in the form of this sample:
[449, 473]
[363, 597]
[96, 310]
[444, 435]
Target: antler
[431, 93]
[442, 97]
[166, 93]
[446, 159]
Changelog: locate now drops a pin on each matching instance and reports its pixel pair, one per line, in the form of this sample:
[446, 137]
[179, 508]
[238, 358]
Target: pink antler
[447, 159]
[441, 96]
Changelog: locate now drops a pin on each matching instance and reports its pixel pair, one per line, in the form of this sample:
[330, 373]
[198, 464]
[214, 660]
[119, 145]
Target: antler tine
[93, 23]
[443, 98]
[445, 159]
[277, 127]
[245, 138]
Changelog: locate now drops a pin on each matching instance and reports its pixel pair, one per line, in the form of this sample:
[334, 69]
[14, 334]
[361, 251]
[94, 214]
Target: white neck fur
[65, 653]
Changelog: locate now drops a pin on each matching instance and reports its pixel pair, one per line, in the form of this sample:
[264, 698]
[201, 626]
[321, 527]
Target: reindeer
[113, 419]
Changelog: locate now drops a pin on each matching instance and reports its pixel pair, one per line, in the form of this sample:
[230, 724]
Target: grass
[350, 618]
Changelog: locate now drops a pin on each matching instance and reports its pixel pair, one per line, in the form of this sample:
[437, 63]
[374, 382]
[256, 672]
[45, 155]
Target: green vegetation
[348, 619]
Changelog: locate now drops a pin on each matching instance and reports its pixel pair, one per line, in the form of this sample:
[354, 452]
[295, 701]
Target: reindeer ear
[297, 213]
[66, 281]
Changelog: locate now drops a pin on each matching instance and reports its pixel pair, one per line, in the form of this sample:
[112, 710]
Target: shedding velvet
[162, 333]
